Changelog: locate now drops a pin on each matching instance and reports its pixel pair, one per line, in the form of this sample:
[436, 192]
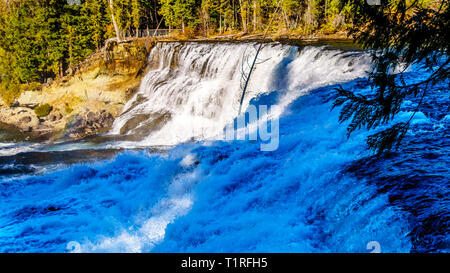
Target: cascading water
[318, 192]
[193, 90]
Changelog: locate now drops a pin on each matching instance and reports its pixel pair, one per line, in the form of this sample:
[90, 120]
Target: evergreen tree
[98, 20]
[180, 13]
[136, 15]
[400, 34]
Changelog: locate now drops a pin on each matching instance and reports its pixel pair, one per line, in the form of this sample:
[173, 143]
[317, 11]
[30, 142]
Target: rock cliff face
[87, 101]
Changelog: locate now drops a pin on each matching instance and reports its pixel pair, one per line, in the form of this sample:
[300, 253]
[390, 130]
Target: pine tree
[136, 15]
[97, 17]
[179, 13]
[398, 33]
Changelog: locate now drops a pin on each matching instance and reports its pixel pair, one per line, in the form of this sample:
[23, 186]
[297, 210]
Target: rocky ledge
[85, 102]
[88, 124]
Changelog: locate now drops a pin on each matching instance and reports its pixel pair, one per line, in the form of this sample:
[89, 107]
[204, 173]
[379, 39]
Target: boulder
[89, 123]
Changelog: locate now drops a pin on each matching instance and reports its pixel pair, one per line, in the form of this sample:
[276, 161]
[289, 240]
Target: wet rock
[133, 122]
[90, 123]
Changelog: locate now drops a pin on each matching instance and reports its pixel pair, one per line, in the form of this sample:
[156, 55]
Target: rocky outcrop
[90, 123]
[125, 58]
[87, 101]
[23, 118]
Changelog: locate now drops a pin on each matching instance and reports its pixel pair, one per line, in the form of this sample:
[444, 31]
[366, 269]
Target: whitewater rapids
[317, 192]
[193, 90]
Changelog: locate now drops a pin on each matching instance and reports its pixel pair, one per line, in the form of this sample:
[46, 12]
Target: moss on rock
[43, 110]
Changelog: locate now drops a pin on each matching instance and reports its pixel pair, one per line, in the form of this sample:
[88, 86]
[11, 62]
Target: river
[167, 178]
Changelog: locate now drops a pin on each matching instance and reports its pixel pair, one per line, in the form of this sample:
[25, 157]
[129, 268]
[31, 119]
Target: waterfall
[319, 191]
[192, 90]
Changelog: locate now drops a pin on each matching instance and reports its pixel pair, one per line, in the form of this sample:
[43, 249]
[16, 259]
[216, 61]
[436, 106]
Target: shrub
[68, 109]
[31, 86]
[9, 91]
[43, 110]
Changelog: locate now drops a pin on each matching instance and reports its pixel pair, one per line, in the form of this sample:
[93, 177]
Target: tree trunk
[234, 15]
[113, 19]
[243, 15]
[286, 19]
[205, 17]
[61, 68]
[255, 15]
[220, 23]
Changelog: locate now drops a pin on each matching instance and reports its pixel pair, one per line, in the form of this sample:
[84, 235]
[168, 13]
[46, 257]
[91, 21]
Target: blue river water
[318, 192]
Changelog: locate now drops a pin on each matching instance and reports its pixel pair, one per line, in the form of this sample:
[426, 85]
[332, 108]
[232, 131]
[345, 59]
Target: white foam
[199, 85]
[9, 149]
